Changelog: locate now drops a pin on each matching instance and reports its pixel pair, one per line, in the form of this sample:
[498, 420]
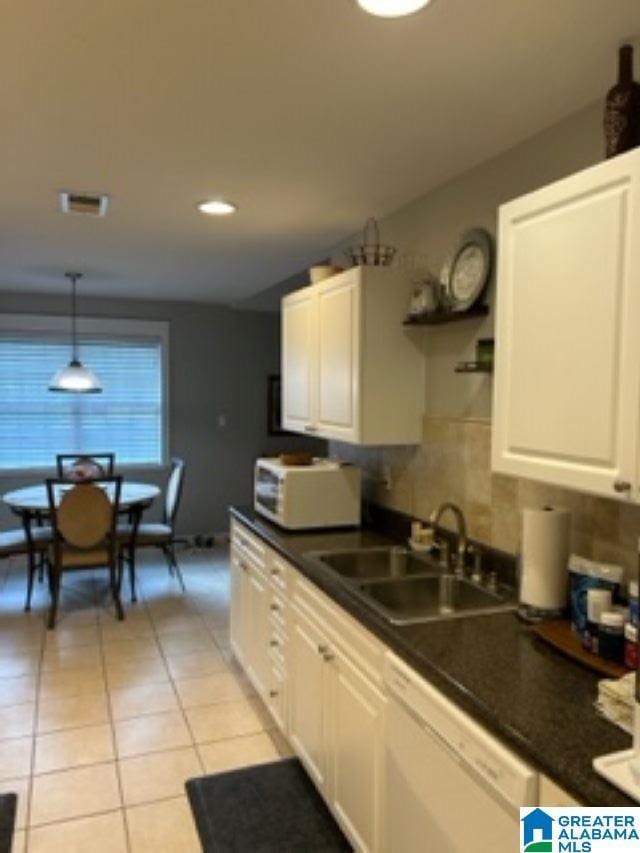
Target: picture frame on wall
[274, 405]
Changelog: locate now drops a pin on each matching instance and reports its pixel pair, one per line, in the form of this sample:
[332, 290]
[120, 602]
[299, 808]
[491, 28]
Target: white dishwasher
[450, 786]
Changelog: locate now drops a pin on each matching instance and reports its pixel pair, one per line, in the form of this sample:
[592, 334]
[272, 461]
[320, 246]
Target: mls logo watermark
[579, 830]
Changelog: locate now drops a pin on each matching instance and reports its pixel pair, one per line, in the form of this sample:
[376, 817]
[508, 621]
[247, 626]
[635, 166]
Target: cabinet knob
[274, 644]
[621, 486]
[275, 607]
[323, 649]
[273, 694]
[309, 428]
[328, 657]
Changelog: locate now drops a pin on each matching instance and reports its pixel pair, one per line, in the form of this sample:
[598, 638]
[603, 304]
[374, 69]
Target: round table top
[34, 498]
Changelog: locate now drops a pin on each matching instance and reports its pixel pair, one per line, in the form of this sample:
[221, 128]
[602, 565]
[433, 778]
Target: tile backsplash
[454, 463]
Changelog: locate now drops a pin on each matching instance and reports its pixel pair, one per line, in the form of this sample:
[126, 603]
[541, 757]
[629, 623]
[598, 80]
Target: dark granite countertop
[534, 699]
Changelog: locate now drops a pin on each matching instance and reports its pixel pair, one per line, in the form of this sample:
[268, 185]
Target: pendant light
[75, 378]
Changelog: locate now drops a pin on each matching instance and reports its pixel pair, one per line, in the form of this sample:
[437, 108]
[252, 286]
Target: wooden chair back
[84, 516]
[80, 467]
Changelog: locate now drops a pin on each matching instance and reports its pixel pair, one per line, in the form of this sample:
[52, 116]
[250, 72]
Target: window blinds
[126, 418]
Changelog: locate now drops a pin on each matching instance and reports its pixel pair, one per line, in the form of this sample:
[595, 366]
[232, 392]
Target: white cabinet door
[258, 628]
[338, 317]
[307, 697]
[567, 385]
[357, 737]
[239, 606]
[298, 360]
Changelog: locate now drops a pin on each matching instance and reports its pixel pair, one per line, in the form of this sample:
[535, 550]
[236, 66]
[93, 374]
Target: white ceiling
[309, 114]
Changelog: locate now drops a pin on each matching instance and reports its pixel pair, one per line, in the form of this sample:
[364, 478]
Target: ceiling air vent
[86, 204]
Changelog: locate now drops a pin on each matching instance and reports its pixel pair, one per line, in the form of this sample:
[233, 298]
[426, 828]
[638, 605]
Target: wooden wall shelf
[440, 318]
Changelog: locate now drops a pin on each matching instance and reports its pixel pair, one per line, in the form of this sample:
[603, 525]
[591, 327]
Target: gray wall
[426, 230]
[219, 363]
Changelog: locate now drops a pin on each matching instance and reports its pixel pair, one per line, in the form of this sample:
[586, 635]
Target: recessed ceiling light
[392, 8]
[217, 207]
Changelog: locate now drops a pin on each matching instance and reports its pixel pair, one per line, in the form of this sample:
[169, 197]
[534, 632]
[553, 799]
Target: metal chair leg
[131, 559]
[31, 570]
[176, 567]
[55, 596]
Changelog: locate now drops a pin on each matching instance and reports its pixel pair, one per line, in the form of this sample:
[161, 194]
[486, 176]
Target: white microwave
[323, 494]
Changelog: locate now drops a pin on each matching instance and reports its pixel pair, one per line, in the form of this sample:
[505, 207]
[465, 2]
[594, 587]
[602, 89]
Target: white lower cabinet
[239, 621]
[336, 727]
[258, 630]
[324, 679]
[357, 733]
[307, 697]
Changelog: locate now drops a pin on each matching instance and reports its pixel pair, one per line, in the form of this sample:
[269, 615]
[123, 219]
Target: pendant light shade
[75, 378]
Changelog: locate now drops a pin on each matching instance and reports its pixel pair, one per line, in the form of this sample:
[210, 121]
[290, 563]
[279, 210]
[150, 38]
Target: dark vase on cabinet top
[622, 109]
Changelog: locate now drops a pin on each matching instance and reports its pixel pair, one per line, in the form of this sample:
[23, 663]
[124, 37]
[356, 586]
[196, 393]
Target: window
[127, 418]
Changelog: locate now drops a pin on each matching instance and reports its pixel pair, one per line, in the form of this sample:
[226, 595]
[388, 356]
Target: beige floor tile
[128, 629]
[238, 752]
[76, 615]
[73, 748]
[133, 673]
[15, 757]
[163, 827]
[177, 624]
[136, 648]
[72, 712]
[20, 640]
[20, 663]
[71, 657]
[104, 833]
[186, 642]
[72, 635]
[63, 683]
[209, 689]
[16, 691]
[226, 719]
[21, 787]
[158, 776]
[74, 793]
[17, 720]
[222, 639]
[195, 664]
[145, 699]
[155, 733]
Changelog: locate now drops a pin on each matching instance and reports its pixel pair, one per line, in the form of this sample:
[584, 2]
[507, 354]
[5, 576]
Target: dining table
[31, 503]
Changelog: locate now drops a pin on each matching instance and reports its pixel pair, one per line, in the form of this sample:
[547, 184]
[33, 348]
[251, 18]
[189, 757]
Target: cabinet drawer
[278, 612]
[249, 544]
[279, 573]
[277, 647]
[276, 697]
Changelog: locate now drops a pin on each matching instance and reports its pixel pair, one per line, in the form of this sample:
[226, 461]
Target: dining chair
[29, 541]
[77, 467]
[157, 535]
[83, 520]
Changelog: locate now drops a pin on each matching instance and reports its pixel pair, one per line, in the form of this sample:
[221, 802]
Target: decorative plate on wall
[470, 269]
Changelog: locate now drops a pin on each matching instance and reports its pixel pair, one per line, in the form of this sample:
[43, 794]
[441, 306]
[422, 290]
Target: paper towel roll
[545, 553]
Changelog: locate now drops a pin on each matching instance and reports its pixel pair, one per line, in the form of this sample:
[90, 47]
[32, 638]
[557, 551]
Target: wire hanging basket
[372, 252]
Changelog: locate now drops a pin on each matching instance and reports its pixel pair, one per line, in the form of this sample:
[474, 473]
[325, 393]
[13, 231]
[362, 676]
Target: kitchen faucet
[434, 520]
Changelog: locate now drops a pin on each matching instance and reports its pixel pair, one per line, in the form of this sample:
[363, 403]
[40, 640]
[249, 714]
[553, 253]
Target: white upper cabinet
[567, 389]
[350, 370]
[338, 316]
[298, 359]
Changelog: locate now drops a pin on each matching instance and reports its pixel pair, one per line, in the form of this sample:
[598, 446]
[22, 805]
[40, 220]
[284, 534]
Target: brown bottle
[622, 109]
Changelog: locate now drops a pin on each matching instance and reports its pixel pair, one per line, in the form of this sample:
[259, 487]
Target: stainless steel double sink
[408, 588]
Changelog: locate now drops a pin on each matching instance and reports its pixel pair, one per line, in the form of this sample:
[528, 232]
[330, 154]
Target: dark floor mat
[8, 806]
[269, 808]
